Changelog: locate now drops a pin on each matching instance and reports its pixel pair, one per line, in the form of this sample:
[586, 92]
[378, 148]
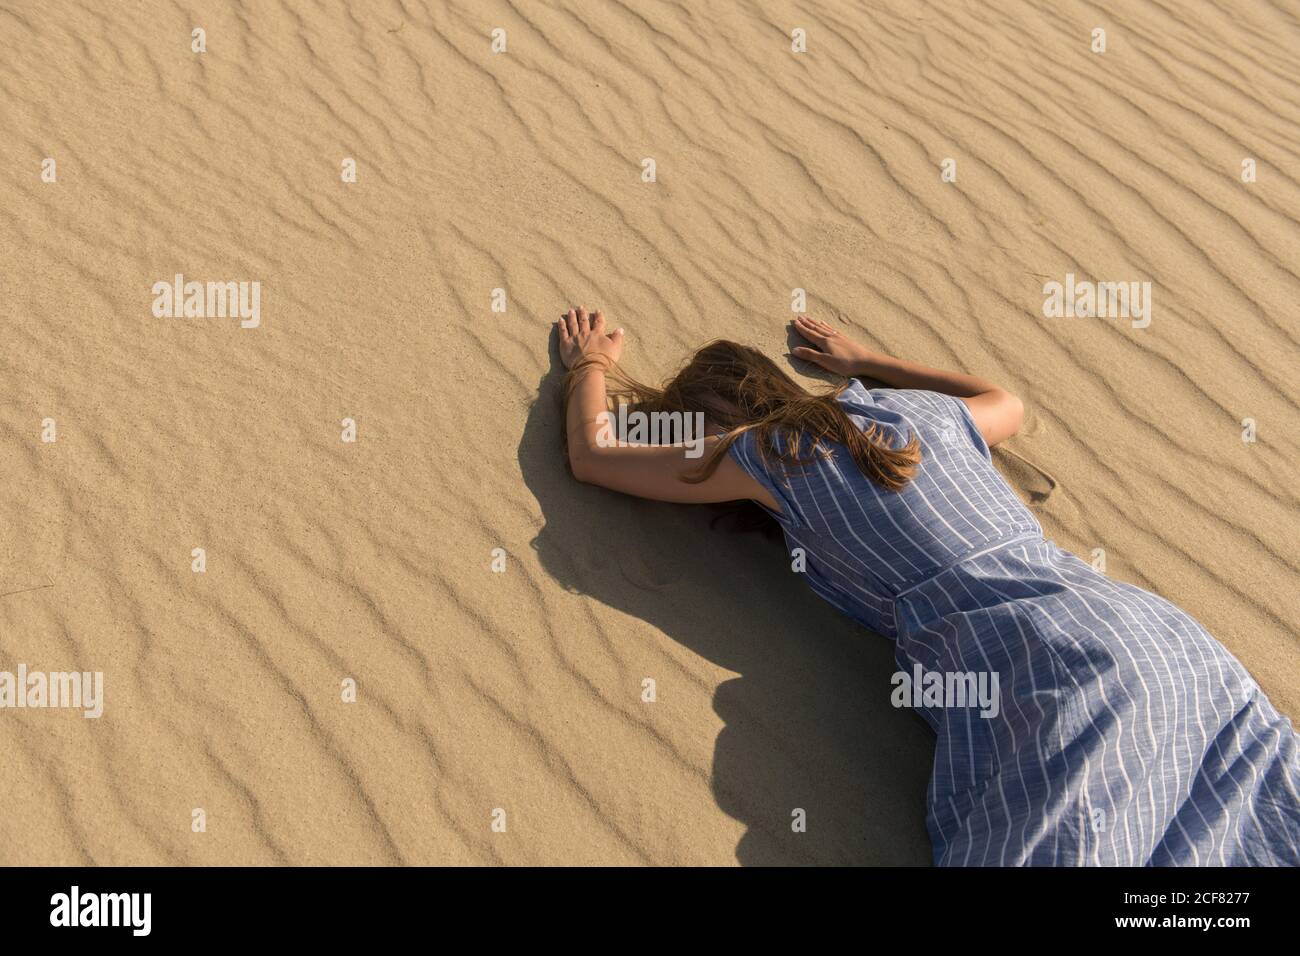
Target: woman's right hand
[834, 352]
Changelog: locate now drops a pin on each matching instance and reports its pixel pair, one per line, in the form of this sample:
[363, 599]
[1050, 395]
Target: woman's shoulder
[933, 414]
[895, 406]
[932, 406]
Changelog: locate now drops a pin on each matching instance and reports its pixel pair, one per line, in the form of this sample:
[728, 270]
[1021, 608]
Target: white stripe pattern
[1125, 734]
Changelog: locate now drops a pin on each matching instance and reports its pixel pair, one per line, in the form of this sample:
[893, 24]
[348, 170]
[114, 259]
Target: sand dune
[522, 171]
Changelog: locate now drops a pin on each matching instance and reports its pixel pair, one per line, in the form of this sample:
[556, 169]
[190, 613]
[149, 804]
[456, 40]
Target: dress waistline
[989, 548]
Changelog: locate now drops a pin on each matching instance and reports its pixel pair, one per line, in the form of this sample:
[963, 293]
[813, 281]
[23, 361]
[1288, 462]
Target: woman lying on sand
[1126, 734]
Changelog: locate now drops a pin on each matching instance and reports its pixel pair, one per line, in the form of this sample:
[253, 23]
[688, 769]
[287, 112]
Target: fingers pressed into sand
[823, 327]
[571, 320]
[598, 321]
[805, 327]
[583, 324]
[807, 354]
[563, 327]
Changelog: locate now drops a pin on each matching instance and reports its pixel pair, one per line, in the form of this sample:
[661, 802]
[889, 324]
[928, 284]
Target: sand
[515, 697]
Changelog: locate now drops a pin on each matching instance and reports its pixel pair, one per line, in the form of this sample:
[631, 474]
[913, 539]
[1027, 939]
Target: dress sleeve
[965, 422]
[746, 454]
[936, 414]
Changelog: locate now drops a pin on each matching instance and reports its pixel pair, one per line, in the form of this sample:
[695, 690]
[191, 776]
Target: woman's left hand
[582, 337]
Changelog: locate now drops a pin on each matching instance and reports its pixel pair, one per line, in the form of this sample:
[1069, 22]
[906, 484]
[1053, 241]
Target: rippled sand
[522, 171]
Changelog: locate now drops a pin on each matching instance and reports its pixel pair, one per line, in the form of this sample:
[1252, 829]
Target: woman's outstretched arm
[996, 411]
[647, 471]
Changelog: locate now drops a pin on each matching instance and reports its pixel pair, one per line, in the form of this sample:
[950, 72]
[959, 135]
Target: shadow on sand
[808, 723]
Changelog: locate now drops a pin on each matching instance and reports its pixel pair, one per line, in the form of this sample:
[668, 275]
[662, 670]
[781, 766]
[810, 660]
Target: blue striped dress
[1124, 733]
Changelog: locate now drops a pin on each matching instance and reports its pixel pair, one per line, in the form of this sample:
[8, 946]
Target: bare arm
[647, 471]
[997, 412]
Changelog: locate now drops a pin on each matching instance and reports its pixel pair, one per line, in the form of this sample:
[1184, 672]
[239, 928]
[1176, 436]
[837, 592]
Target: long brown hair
[739, 389]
